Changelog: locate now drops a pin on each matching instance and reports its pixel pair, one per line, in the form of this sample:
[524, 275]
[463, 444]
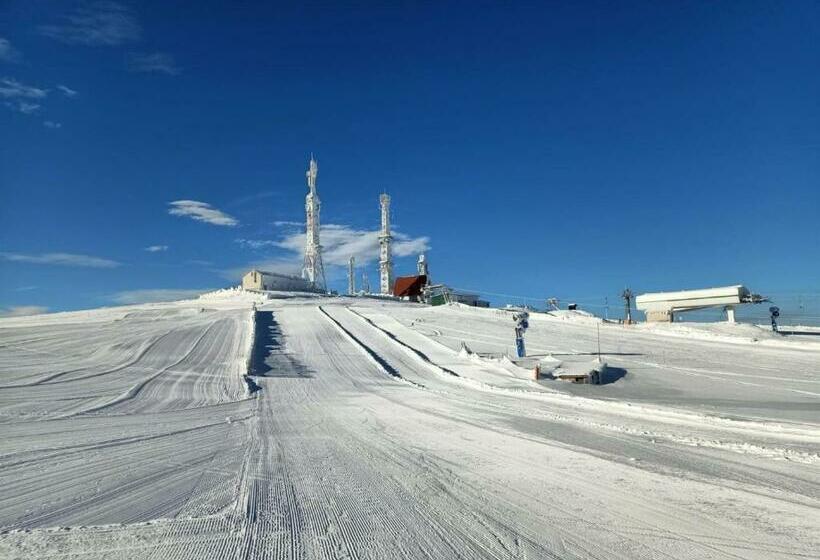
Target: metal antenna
[313, 269]
[628, 295]
[351, 276]
[385, 254]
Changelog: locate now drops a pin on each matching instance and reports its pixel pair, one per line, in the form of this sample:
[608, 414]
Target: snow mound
[738, 333]
[235, 294]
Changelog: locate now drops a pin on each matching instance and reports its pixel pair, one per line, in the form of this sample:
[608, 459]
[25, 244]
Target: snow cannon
[775, 313]
[522, 323]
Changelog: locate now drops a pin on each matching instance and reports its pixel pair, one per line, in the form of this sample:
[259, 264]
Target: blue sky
[566, 149]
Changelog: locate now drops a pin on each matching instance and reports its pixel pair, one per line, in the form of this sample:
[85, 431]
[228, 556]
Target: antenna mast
[351, 276]
[313, 269]
[385, 255]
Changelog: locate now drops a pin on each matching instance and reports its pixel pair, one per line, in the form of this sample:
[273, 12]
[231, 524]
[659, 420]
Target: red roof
[409, 286]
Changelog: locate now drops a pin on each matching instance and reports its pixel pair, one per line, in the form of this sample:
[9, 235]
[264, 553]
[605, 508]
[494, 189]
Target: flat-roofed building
[273, 281]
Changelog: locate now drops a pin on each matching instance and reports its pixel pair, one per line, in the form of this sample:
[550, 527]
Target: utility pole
[598, 330]
[628, 295]
[351, 276]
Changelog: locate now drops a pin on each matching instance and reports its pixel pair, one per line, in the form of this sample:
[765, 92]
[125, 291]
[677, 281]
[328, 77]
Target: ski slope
[364, 431]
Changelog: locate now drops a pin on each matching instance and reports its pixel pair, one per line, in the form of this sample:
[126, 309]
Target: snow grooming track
[337, 457]
[134, 391]
[381, 362]
[415, 351]
[656, 414]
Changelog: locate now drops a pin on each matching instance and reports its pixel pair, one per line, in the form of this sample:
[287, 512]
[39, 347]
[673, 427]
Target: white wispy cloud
[103, 23]
[21, 97]
[286, 223]
[155, 295]
[61, 259]
[13, 89]
[255, 243]
[339, 243]
[67, 91]
[8, 53]
[22, 310]
[25, 288]
[52, 124]
[202, 212]
[24, 107]
[156, 248]
[158, 62]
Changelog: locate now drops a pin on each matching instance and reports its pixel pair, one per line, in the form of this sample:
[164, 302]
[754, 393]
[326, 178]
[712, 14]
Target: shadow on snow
[269, 358]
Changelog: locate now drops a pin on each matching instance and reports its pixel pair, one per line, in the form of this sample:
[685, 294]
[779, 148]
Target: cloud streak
[61, 259]
[339, 243]
[24, 107]
[201, 212]
[67, 91]
[156, 248]
[13, 89]
[8, 53]
[256, 243]
[104, 23]
[157, 63]
[23, 310]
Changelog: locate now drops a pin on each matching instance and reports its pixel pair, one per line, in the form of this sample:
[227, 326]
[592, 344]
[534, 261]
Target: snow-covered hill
[366, 431]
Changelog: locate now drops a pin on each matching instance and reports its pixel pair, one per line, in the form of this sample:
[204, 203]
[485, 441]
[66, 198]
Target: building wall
[252, 280]
[660, 316]
[267, 281]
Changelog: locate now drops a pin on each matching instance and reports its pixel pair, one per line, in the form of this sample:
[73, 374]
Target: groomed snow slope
[130, 433]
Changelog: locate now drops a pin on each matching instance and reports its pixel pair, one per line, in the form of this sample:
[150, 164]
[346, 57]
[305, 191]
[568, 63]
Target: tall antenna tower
[365, 282]
[385, 256]
[628, 295]
[313, 269]
[351, 276]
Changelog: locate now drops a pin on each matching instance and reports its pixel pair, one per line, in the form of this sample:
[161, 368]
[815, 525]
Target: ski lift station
[662, 306]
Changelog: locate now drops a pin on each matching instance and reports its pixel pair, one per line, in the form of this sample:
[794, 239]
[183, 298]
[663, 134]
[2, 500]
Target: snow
[130, 432]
